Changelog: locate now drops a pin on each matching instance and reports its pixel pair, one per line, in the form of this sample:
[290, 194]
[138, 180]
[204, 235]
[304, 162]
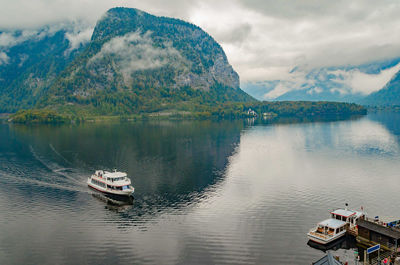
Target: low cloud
[263, 39]
[346, 81]
[8, 39]
[14, 37]
[3, 58]
[134, 52]
[78, 37]
[363, 83]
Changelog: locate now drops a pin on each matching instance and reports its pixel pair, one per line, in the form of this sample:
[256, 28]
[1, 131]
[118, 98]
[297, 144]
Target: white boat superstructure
[341, 221]
[327, 231]
[115, 183]
[348, 216]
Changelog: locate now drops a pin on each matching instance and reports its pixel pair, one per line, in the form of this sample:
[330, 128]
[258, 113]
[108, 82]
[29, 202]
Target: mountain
[137, 62]
[341, 83]
[387, 96]
[30, 61]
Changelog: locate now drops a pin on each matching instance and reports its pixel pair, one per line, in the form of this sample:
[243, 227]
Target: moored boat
[341, 221]
[114, 183]
[327, 231]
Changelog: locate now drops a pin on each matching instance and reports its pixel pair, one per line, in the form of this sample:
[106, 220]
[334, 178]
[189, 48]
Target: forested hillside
[137, 62]
[30, 62]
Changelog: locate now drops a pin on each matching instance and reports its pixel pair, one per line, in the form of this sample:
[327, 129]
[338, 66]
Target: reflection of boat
[113, 183]
[112, 201]
[345, 242]
[341, 221]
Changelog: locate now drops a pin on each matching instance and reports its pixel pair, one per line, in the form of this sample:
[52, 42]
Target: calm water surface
[206, 192]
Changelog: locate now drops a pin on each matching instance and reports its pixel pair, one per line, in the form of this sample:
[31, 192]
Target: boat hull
[120, 194]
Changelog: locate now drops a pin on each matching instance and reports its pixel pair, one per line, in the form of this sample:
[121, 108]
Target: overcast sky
[264, 39]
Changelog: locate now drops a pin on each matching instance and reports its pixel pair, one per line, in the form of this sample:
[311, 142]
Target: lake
[239, 192]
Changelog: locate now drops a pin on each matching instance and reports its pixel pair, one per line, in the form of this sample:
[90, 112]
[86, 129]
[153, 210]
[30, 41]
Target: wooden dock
[371, 233]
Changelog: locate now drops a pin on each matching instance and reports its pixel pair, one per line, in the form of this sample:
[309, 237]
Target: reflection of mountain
[167, 161]
[391, 121]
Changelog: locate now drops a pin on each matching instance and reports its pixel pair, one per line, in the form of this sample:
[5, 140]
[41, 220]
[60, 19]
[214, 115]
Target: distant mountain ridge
[344, 84]
[387, 96]
[134, 62]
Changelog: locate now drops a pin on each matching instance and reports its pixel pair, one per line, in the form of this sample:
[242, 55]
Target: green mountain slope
[30, 61]
[137, 62]
[387, 96]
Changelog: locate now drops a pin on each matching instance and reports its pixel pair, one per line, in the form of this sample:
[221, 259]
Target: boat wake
[68, 173]
[34, 170]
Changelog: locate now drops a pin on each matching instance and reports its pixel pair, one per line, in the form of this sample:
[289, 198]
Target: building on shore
[373, 231]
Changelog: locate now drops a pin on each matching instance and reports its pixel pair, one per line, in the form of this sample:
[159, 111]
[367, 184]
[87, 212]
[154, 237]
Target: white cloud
[3, 58]
[279, 90]
[11, 38]
[315, 90]
[293, 81]
[136, 51]
[263, 39]
[363, 83]
[78, 37]
[8, 39]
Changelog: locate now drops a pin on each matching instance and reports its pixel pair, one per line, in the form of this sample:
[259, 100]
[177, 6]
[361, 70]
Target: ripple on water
[255, 209]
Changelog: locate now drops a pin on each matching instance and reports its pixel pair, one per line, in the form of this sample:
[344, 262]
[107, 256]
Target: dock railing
[379, 222]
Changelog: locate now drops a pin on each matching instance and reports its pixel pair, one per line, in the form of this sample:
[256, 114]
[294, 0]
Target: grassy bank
[265, 110]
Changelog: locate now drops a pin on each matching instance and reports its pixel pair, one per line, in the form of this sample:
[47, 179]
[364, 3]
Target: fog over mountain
[281, 44]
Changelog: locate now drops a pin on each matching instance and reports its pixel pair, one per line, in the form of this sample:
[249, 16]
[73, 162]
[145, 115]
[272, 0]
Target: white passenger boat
[341, 221]
[114, 183]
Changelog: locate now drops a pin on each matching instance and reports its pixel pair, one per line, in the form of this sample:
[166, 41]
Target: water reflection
[346, 242]
[171, 164]
[114, 204]
[206, 193]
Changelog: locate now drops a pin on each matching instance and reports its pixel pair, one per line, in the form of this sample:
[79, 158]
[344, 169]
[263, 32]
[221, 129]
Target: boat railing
[381, 223]
[373, 220]
[320, 235]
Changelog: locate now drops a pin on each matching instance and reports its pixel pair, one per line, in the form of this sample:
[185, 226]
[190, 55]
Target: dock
[373, 232]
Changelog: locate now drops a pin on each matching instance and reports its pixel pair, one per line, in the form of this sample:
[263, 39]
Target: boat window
[98, 183]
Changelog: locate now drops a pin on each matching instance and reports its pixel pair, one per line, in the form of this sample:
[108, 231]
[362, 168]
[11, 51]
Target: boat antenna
[346, 205]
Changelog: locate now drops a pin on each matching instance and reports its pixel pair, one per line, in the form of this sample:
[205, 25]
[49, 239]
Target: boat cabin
[115, 183]
[347, 216]
[113, 180]
[331, 227]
